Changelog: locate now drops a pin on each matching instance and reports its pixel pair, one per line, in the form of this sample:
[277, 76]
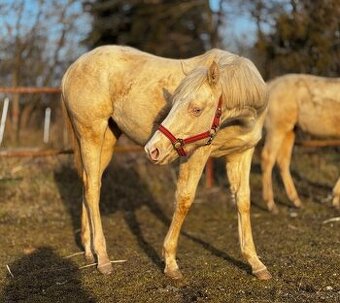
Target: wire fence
[46, 151]
[34, 151]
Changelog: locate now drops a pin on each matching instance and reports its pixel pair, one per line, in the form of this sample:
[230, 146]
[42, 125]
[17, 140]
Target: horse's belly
[320, 119]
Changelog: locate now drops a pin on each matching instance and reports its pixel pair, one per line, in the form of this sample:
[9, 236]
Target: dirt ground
[40, 221]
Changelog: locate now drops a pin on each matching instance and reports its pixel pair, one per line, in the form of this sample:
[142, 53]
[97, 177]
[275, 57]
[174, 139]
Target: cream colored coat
[114, 89]
[312, 103]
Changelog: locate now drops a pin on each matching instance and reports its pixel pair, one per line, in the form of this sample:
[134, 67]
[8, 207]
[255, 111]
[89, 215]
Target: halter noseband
[178, 143]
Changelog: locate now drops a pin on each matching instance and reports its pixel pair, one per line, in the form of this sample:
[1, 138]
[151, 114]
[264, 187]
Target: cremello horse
[114, 89]
[312, 103]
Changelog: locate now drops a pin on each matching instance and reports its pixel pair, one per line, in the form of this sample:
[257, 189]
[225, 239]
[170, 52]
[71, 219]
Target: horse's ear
[213, 73]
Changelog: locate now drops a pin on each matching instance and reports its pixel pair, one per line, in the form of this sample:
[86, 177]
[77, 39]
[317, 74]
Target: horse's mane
[242, 84]
[192, 82]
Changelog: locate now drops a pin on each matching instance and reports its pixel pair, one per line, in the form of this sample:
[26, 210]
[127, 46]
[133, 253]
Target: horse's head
[193, 118]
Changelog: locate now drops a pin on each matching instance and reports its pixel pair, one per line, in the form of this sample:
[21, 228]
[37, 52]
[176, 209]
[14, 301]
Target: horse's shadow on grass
[124, 190]
[43, 276]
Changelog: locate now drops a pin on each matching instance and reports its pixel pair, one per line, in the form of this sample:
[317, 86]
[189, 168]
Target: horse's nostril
[154, 153]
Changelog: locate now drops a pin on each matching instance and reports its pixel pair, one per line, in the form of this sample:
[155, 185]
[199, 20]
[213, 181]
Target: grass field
[40, 221]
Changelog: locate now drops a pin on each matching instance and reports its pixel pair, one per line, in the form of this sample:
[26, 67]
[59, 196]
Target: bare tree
[38, 39]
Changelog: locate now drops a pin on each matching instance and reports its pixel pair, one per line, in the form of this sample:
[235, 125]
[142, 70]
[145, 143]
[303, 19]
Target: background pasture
[40, 197]
[299, 247]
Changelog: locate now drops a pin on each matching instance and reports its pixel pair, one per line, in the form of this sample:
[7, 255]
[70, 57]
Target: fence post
[47, 123]
[3, 119]
[209, 173]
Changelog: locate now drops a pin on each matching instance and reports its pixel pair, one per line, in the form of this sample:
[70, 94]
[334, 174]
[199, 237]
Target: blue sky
[237, 28]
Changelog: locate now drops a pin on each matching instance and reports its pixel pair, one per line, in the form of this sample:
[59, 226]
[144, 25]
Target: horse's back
[282, 105]
[306, 100]
[101, 63]
[86, 84]
[319, 107]
[99, 76]
[122, 83]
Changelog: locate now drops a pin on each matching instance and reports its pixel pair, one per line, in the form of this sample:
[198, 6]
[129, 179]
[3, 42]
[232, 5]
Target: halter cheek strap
[179, 144]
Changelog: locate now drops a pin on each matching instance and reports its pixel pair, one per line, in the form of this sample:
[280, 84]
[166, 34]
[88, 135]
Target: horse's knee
[184, 204]
[243, 203]
[243, 208]
[265, 159]
[92, 186]
[264, 154]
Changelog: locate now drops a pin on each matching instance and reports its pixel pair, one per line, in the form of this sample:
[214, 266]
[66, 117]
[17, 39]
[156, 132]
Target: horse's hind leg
[86, 234]
[238, 170]
[283, 160]
[269, 154]
[92, 145]
[106, 154]
[189, 175]
[336, 194]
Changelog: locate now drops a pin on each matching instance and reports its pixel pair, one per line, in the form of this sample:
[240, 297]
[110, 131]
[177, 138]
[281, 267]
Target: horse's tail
[72, 137]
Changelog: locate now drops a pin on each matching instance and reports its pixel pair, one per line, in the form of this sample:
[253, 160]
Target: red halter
[178, 143]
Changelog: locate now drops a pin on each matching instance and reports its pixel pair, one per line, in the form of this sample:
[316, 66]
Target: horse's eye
[196, 111]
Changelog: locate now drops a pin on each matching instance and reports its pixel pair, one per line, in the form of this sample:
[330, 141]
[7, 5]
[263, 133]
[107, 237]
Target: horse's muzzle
[158, 152]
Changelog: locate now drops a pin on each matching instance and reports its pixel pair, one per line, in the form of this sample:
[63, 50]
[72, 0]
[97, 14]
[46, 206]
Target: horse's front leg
[238, 171]
[190, 172]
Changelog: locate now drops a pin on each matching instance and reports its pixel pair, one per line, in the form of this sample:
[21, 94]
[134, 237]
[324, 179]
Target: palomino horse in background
[312, 103]
[113, 90]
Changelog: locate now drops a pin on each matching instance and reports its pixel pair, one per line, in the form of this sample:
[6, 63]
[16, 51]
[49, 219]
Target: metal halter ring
[213, 132]
[178, 143]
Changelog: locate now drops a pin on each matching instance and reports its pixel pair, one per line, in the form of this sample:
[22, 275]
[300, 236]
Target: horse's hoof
[105, 269]
[273, 209]
[174, 274]
[298, 204]
[263, 274]
[89, 258]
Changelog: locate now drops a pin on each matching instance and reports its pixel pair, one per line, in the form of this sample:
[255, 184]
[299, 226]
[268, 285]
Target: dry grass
[39, 228]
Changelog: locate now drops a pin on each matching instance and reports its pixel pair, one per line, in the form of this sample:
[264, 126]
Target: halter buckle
[178, 143]
[213, 132]
[218, 112]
